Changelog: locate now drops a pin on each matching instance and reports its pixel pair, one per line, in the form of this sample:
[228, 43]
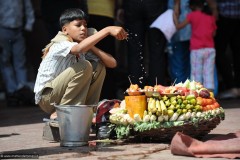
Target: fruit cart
[156, 113]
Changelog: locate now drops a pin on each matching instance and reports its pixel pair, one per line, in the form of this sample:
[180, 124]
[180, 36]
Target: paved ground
[21, 133]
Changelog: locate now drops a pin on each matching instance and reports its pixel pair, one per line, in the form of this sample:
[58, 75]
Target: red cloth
[224, 146]
[103, 109]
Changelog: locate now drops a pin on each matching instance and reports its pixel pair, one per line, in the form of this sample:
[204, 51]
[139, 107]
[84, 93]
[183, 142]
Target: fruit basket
[164, 110]
[196, 130]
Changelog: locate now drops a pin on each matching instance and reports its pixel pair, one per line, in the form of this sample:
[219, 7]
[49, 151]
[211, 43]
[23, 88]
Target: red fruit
[186, 93]
[159, 88]
[194, 92]
[183, 91]
[191, 93]
[216, 105]
[204, 93]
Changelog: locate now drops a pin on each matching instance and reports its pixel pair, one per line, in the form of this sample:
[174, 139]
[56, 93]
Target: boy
[65, 76]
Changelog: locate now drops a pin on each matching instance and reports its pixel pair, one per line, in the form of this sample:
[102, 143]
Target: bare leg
[53, 115]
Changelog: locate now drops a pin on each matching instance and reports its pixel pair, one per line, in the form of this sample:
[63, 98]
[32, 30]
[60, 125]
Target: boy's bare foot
[53, 115]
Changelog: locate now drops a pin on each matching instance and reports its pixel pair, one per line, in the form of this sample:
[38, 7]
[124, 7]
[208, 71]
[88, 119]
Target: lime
[170, 112]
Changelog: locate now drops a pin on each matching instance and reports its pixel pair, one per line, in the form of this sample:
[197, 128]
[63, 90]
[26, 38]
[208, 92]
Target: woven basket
[199, 130]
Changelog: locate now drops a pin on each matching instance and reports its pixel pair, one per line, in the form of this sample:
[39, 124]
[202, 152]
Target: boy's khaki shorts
[78, 84]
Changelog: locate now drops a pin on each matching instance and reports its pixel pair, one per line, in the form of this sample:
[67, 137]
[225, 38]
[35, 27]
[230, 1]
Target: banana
[158, 106]
[145, 113]
[163, 107]
[150, 103]
[153, 106]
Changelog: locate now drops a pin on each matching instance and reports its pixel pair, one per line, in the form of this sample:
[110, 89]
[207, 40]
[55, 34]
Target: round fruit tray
[197, 130]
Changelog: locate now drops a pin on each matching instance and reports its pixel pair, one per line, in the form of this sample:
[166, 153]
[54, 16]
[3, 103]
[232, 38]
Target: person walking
[15, 17]
[227, 36]
[178, 47]
[202, 56]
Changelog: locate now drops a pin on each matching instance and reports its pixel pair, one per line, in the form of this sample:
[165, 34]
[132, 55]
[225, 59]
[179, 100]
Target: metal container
[74, 124]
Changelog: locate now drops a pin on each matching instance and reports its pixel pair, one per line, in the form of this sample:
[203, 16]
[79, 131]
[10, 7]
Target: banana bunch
[157, 106]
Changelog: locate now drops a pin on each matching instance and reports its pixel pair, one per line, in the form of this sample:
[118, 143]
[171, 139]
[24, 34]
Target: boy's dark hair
[201, 4]
[70, 15]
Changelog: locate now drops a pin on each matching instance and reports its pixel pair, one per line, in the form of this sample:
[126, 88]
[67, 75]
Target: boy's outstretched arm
[108, 60]
[118, 32]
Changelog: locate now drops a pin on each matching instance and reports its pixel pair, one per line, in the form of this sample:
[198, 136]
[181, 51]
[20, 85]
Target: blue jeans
[13, 59]
[179, 61]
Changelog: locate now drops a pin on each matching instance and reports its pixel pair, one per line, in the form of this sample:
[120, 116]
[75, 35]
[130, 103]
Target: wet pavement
[21, 130]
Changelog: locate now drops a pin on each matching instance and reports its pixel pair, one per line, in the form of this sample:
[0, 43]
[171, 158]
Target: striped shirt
[55, 62]
[229, 8]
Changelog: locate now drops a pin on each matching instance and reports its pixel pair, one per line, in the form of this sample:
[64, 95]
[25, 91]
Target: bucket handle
[91, 106]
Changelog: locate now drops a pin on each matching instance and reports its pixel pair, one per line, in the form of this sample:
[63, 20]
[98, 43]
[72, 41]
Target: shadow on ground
[76, 151]
[10, 116]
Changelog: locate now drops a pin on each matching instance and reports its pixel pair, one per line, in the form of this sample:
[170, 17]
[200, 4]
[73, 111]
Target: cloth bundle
[223, 146]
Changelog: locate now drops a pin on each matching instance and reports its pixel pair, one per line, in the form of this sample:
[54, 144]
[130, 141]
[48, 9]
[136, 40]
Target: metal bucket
[74, 124]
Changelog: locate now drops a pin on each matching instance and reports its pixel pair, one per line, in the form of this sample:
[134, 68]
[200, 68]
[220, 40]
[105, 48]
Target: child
[202, 56]
[73, 69]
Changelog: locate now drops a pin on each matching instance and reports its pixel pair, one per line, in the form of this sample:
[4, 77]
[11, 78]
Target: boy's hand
[118, 32]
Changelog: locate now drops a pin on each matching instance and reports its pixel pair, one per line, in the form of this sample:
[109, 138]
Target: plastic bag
[103, 131]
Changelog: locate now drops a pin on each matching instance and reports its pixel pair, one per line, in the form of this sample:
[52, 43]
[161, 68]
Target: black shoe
[21, 97]
[26, 96]
[12, 99]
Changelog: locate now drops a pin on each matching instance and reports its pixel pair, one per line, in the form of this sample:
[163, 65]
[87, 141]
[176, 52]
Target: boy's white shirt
[56, 61]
